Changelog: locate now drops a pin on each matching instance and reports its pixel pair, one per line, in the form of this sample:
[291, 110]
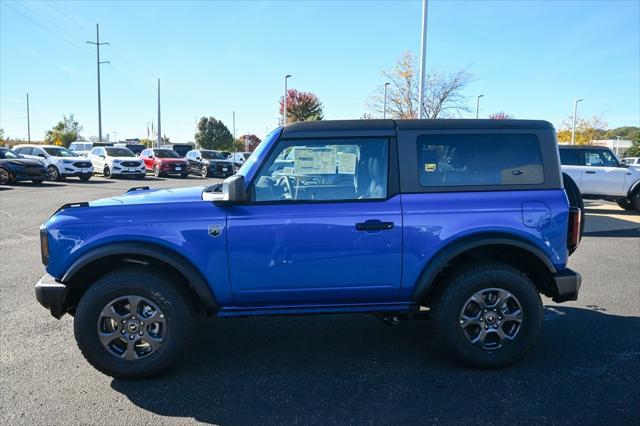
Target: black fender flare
[440, 260]
[635, 186]
[154, 251]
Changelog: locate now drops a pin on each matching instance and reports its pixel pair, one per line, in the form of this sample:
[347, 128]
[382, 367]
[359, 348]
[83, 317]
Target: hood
[172, 160]
[216, 161]
[152, 196]
[76, 158]
[21, 162]
[125, 159]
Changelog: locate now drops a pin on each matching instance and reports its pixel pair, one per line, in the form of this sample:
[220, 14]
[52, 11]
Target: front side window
[597, 158]
[325, 171]
[479, 160]
[25, 151]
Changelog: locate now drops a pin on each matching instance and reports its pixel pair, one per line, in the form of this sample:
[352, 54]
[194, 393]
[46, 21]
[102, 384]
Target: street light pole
[159, 136]
[423, 59]
[28, 121]
[284, 104]
[98, 44]
[384, 108]
[573, 129]
[478, 105]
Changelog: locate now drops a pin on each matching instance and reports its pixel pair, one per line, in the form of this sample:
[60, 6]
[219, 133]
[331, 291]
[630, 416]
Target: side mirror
[42, 155]
[233, 189]
[102, 156]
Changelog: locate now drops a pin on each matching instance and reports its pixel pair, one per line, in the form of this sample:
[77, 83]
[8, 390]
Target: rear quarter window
[479, 160]
[569, 157]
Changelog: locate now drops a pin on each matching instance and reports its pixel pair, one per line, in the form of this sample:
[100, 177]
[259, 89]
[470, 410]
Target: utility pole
[478, 105]
[159, 138]
[384, 108]
[234, 125]
[28, 121]
[284, 103]
[573, 129]
[423, 59]
[98, 44]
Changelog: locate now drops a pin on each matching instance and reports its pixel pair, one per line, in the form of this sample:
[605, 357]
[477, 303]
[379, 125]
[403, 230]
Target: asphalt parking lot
[327, 369]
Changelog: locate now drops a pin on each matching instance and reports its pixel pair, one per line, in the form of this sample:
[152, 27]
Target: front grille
[82, 164]
[219, 166]
[130, 164]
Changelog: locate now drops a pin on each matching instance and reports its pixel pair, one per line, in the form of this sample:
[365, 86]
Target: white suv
[599, 174]
[115, 161]
[60, 162]
[632, 161]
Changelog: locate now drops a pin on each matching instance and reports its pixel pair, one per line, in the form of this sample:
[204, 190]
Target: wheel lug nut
[141, 333]
[124, 331]
[131, 336]
[124, 321]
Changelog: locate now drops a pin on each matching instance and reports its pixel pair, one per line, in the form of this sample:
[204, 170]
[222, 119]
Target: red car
[164, 162]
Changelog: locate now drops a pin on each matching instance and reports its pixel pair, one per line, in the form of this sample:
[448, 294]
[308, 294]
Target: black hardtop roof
[388, 127]
[583, 147]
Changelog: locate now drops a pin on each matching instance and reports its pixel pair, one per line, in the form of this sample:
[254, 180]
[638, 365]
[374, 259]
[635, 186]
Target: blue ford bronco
[466, 222]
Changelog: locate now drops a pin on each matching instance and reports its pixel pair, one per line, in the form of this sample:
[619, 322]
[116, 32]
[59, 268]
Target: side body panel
[178, 226]
[433, 221]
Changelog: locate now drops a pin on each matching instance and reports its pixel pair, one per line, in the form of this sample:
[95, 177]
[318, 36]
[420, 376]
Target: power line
[64, 15]
[72, 43]
[58, 26]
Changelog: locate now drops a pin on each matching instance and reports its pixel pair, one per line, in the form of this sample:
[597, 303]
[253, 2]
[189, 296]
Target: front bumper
[51, 294]
[566, 285]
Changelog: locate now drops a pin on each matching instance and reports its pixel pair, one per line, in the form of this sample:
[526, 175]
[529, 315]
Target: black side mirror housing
[233, 190]
[42, 155]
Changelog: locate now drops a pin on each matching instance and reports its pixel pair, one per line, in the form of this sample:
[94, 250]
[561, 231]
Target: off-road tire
[138, 281]
[455, 292]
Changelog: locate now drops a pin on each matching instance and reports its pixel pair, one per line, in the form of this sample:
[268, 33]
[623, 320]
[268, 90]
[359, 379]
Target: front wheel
[156, 171]
[5, 176]
[53, 174]
[488, 315]
[632, 202]
[132, 323]
[204, 172]
[106, 172]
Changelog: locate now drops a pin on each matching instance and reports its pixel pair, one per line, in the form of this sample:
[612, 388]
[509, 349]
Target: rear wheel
[132, 323]
[488, 315]
[5, 176]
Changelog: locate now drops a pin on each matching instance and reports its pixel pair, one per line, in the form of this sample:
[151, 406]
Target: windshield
[5, 153]
[248, 169]
[60, 152]
[213, 155]
[119, 152]
[165, 153]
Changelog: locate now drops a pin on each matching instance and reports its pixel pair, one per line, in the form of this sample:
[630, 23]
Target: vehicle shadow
[597, 225]
[44, 184]
[355, 369]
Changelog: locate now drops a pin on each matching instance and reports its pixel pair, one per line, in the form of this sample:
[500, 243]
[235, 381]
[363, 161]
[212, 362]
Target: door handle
[591, 172]
[374, 225]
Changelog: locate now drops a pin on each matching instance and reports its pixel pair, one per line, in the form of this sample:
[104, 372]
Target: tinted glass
[60, 152]
[119, 152]
[569, 157]
[6, 154]
[213, 155]
[325, 170]
[165, 153]
[597, 158]
[479, 160]
[24, 151]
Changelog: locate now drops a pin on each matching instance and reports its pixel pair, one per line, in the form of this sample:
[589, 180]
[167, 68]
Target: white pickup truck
[600, 175]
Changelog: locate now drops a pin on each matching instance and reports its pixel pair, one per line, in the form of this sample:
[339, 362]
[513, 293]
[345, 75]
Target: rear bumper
[566, 286]
[51, 294]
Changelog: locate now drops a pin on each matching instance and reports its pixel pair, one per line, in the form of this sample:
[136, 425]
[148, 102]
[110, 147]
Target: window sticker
[315, 161]
[430, 167]
[346, 163]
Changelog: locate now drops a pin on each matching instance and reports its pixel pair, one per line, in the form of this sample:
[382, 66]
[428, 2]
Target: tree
[634, 151]
[443, 96]
[628, 133]
[1, 135]
[302, 106]
[501, 116]
[165, 140]
[249, 142]
[586, 130]
[213, 134]
[65, 132]
[146, 142]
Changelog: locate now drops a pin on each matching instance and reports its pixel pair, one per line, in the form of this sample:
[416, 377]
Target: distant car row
[47, 162]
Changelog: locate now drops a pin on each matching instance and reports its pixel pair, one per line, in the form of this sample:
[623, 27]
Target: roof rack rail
[137, 188]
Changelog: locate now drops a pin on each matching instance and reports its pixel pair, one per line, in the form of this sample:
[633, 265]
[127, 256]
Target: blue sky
[530, 59]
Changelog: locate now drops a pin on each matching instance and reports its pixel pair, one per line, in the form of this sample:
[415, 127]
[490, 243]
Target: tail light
[44, 246]
[573, 235]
